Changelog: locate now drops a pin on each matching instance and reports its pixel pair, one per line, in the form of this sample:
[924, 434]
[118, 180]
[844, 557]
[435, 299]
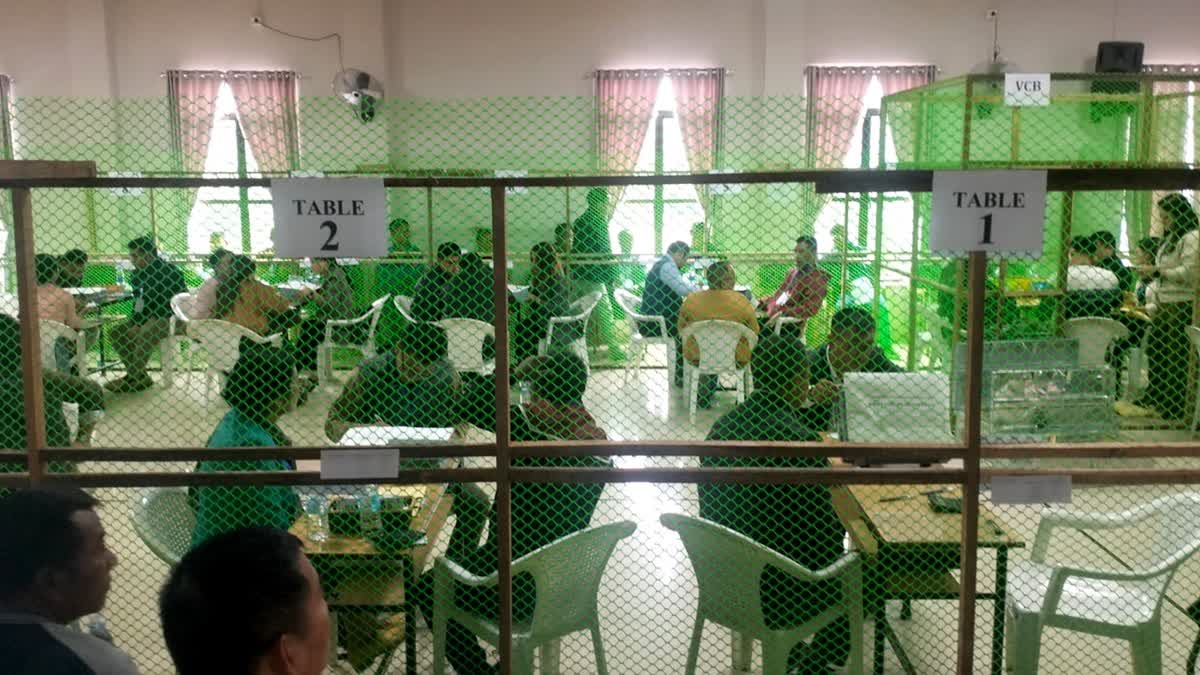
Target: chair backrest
[222, 341]
[164, 520]
[1094, 334]
[181, 306]
[1193, 334]
[9, 305]
[1177, 535]
[49, 332]
[579, 310]
[466, 338]
[404, 306]
[896, 407]
[718, 342]
[631, 304]
[728, 568]
[567, 576]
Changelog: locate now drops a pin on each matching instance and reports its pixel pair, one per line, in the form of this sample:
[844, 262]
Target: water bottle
[120, 275]
[98, 628]
[314, 511]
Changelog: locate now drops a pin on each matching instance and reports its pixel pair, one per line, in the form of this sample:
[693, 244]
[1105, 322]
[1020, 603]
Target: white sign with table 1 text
[330, 217]
[990, 211]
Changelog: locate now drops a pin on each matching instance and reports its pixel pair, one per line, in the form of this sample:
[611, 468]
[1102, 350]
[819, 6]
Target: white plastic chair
[728, 568]
[580, 310]
[404, 306]
[181, 315]
[164, 520]
[9, 305]
[466, 338]
[49, 332]
[930, 342]
[366, 347]
[221, 342]
[1094, 334]
[638, 343]
[718, 344]
[1123, 604]
[566, 574]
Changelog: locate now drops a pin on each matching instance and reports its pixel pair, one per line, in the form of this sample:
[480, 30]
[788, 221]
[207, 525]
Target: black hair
[36, 533]
[545, 265]
[678, 247]
[333, 262]
[718, 272]
[811, 242]
[46, 268]
[562, 229]
[560, 378]
[448, 249]
[1085, 245]
[397, 223]
[10, 345]
[777, 361]
[231, 598]
[425, 342]
[854, 319]
[1104, 238]
[216, 256]
[597, 196]
[241, 268]
[1183, 218]
[1150, 245]
[74, 257]
[144, 245]
[262, 374]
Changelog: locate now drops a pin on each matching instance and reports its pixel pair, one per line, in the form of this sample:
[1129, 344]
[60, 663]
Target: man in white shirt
[665, 290]
[1091, 290]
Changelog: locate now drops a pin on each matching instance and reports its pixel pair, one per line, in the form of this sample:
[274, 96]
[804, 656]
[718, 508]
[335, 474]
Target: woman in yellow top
[246, 301]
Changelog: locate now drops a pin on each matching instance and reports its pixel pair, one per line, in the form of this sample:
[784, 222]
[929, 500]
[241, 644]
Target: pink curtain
[192, 97]
[268, 104]
[902, 78]
[624, 105]
[698, 96]
[5, 123]
[835, 102]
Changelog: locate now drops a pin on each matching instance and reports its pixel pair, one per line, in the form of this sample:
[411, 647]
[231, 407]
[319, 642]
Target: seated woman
[246, 301]
[206, 295]
[260, 390]
[548, 297]
[333, 301]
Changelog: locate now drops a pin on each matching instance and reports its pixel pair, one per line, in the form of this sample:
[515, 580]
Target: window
[659, 215]
[238, 219]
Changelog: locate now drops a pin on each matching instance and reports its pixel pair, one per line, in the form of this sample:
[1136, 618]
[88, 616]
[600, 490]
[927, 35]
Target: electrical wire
[338, 36]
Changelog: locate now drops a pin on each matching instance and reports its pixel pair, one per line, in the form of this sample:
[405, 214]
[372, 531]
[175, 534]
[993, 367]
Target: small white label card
[1026, 89]
[1031, 489]
[358, 463]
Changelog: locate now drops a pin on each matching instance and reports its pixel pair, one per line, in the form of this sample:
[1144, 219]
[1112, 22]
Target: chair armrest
[274, 339]
[461, 575]
[1060, 575]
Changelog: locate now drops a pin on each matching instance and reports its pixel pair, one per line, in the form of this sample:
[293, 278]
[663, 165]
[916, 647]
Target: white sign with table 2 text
[330, 217]
[990, 211]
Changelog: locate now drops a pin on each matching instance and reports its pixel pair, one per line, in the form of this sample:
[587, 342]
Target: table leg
[998, 609]
[410, 617]
[880, 622]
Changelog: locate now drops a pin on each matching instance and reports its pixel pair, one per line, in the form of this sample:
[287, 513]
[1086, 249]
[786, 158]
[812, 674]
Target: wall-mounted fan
[361, 90]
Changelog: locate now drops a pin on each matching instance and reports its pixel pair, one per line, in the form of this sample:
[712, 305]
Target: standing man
[718, 303]
[429, 297]
[154, 281]
[802, 292]
[55, 568]
[665, 290]
[591, 240]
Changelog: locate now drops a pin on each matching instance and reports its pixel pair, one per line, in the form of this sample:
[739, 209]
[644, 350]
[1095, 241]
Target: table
[910, 550]
[431, 508]
[99, 297]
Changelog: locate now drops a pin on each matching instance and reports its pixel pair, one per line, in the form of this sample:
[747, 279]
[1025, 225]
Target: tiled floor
[648, 595]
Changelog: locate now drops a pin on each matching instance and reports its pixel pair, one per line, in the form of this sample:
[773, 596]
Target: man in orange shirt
[721, 303]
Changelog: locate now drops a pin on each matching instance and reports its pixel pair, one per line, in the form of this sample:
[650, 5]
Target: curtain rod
[223, 74]
[874, 69]
[656, 72]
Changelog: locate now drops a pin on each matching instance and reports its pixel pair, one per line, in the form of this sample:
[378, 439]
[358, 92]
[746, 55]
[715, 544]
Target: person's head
[806, 251]
[597, 199]
[237, 269]
[142, 252]
[219, 260]
[1105, 243]
[720, 276]
[625, 241]
[262, 384]
[1179, 217]
[323, 266]
[678, 251]
[780, 366]
[1146, 250]
[1083, 250]
[246, 602]
[543, 258]
[46, 268]
[448, 256]
[54, 561]
[10, 345]
[560, 378]
[483, 241]
[851, 339]
[564, 237]
[420, 346]
[399, 233]
[71, 265]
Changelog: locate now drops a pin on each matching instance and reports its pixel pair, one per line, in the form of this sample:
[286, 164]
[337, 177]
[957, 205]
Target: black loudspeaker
[1116, 57]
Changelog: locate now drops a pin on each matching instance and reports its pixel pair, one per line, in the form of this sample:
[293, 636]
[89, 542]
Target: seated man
[154, 281]
[1091, 290]
[55, 304]
[246, 601]
[55, 568]
[774, 412]
[414, 386]
[1104, 243]
[541, 512]
[803, 291]
[429, 297]
[665, 290]
[71, 266]
[719, 302]
[851, 348]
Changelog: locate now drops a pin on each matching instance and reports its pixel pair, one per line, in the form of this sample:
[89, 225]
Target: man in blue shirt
[665, 290]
